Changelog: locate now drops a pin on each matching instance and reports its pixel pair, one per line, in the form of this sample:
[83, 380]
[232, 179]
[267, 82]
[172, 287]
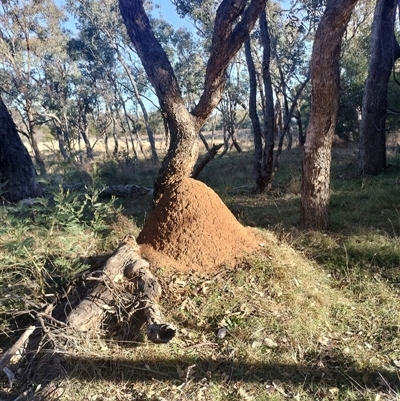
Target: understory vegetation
[310, 316]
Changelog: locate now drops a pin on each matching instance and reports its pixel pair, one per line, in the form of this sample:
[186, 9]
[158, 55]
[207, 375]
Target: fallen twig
[5, 358]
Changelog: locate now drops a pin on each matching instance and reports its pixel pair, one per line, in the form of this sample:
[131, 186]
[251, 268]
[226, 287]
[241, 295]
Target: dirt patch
[192, 229]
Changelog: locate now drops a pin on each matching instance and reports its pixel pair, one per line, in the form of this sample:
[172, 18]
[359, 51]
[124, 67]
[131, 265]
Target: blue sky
[162, 8]
[165, 9]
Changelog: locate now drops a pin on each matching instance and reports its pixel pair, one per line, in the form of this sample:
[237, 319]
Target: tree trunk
[323, 118]
[84, 133]
[60, 139]
[263, 136]
[255, 120]
[269, 120]
[114, 131]
[17, 174]
[384, 50]
[302, 136]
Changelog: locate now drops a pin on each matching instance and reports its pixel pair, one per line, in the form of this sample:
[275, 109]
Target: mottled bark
[233, 23]
[17, 173]
[384, 50]
[323, 118]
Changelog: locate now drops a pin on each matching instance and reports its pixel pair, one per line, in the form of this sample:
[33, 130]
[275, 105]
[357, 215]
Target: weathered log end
[160, 333]
[126, 284]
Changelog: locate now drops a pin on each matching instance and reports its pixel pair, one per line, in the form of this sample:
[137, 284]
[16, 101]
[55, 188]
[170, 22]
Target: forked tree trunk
[233, 23]
[384, 50]
[323, 118]
[17, 174]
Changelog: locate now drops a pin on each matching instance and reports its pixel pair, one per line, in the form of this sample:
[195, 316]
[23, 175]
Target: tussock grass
[311, 316]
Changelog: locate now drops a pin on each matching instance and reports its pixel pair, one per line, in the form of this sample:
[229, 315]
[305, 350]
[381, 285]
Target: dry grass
[312, 316]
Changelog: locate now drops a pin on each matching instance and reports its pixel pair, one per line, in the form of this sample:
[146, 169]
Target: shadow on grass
[328, 371]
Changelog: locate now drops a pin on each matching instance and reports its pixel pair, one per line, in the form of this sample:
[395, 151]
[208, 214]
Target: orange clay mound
[191, 229]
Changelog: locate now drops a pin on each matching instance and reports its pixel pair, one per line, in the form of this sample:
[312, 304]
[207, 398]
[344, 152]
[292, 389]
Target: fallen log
[119, 191]
[126, 289]
[124, 295]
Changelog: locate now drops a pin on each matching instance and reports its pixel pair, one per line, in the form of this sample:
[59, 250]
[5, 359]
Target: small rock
[222, 332]
[270, 343]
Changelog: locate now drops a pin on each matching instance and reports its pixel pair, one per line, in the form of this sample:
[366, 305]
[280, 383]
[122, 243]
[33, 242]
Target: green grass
[311, 316]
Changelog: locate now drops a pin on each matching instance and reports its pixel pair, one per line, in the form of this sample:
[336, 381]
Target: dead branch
[115, 190]
[210, 155]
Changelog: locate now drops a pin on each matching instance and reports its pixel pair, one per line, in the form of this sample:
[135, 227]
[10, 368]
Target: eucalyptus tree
[60, 74]
[91, 16]
[275, 61]
[264, 133]
[93, 86]
[354, 69]
[325, 81]
[384, 51]
[29, 30]
[233, 22]
[233, 105]
[292, 32]
[17, 174]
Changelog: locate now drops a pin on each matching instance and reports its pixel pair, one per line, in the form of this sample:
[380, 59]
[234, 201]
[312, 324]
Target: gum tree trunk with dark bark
[263, 134]
[384, 51]
[315, 192]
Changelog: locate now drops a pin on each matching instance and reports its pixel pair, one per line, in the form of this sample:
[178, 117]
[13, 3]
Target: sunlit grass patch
[311, 316]
[289, 332]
